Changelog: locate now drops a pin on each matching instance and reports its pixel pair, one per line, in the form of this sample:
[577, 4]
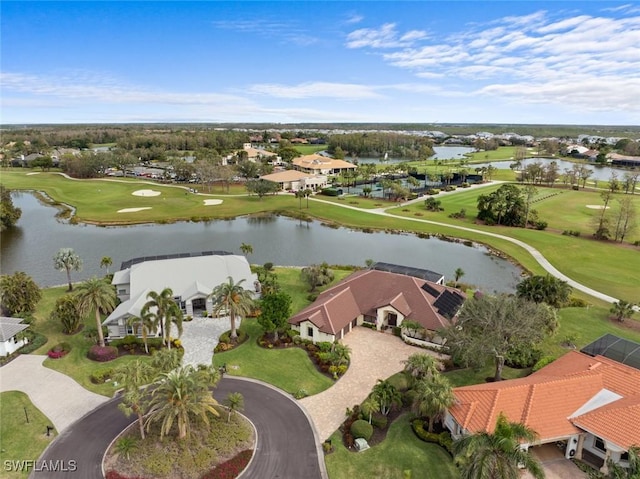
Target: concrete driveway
[374, 356]
[554, 463]
[59, 397]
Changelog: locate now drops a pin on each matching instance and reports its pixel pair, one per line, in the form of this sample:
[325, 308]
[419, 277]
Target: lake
[31, 245]
[441, 153]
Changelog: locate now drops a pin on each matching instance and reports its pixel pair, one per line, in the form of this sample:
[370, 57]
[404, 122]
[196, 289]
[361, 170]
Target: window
[599, 444]
[122, 291]
[624, 456]
[310, 332]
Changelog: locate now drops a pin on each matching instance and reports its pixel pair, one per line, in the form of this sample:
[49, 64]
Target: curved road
[287, 447]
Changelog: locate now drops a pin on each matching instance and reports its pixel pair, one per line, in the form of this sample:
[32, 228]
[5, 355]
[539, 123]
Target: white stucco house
[297, 180]
[191, 276]
[10, 337]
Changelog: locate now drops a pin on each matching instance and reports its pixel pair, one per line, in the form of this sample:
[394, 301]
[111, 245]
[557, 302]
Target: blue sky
[420, 62]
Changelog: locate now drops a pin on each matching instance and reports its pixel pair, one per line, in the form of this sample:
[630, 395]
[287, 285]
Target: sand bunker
[212, 202]
[146, 193]
[596, 207]
[34, 173]
[134, 210]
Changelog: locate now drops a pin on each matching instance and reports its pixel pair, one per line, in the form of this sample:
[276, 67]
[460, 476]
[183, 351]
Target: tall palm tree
[106, 262]
[497, 455]
[181, 396]
[133, 376]
[386, 394]
[97, 295]
[164, 312]
[457, 274]
[234, 300]
[421, 366]
[434, 397]
[146, 324]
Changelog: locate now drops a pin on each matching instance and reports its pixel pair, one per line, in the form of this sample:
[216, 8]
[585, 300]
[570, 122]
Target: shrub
[459, 215]
[399, 381]
[465, 184]
[300, 393]
[59, 350]
[102, 354]
[541, 225]
[101, 376]
[312, 297]
[443, 439]
[409, 397]
[324, 346]
[36, 340]
[433, 191]
[397, 330]
[329, 192]
[361, 429]
[379, 420]
[577, 303]
[523, 357]
[542, 362]
[450, 188]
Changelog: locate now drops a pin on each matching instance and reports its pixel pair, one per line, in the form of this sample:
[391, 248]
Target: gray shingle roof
[9, 327]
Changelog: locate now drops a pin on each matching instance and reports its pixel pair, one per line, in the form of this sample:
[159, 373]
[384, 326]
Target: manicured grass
[400, 451]
[309, 149]
[289, 369]
[289, 280]
[21, 440]
[357, 201]
[469, 376]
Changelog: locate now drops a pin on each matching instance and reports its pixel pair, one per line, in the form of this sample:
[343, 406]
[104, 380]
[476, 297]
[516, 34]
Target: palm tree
[106, 262]
[97, 295]
[300, 194]
[369, 406]
[386, 394]
[631, 472]
[66, 259]
[457, 274]
[497, 455]
[164, 312]
[246, 249]
[434, 397]
[234, 402]
[232, 298]
[421, 366]
[133, 376]
[146, 324]
[622, 309]
[181, 395]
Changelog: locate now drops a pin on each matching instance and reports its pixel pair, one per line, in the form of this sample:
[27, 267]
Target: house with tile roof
[590, 405]
[10, 337]
[296, 180]
[191, 276]
[382, 299]
[321, 165]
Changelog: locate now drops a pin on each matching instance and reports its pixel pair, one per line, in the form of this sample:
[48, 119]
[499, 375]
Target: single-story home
[191, 276]
[322, 165]
[382, 299]
[590, 405]
[10, 337]
[296, 180]
[257, 154]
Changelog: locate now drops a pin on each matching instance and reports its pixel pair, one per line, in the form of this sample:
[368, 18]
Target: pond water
[441, 153]
[600, 173]
[31, 245]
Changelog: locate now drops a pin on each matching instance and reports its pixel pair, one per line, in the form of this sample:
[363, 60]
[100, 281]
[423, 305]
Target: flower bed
[59, 350]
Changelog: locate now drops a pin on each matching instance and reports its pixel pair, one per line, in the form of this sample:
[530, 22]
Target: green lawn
[289, 369]
[28, 438]
[309, 149]
[400, 451]
[289, 280]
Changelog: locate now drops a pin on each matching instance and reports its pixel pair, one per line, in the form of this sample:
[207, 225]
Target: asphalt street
[286, 443]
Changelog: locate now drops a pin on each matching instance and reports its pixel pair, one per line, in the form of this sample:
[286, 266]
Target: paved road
[287, 447]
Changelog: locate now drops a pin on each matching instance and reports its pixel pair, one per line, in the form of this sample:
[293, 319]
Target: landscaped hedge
[443, 439]
[361, 429]
[101, 376]
[36, 340]
[379, 420]
[232, 468]
[102, 354]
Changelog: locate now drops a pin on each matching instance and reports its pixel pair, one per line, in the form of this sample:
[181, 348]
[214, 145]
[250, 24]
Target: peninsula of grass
[288, 369]
[400, 451]
[23, 433]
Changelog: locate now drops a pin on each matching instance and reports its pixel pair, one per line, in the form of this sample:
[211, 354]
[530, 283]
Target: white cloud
[316, 90]
[354, 18]
[384, 37]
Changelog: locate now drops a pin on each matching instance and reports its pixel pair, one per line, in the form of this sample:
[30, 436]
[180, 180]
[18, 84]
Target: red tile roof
[547, 400]
[364, 292]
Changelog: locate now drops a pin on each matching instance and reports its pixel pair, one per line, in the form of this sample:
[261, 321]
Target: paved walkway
[374, 356]
[200, 337]
[58, 396]
[554, 463]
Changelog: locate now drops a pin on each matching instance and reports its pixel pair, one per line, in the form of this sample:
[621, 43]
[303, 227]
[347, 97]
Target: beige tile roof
[318, 162]
[287, 175]
[547, 400]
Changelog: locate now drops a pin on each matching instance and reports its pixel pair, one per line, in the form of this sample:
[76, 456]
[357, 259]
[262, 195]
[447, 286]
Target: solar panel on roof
[621, 350]
[431, 290]
[130, 262]
[425, 274]
[448, 303]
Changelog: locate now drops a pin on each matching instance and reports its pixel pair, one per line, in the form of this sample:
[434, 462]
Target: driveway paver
[200, 337]
[58, 396]
[554, 463]
[374, 356]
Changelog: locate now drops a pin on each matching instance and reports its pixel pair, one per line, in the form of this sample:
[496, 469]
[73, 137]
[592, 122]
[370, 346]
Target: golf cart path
[539, 257]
